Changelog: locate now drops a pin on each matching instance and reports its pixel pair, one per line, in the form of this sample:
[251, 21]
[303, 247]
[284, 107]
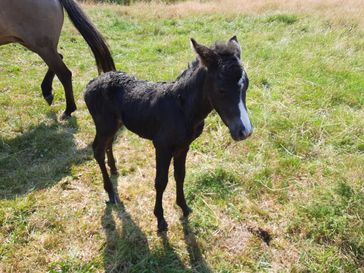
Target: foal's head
[226, 85]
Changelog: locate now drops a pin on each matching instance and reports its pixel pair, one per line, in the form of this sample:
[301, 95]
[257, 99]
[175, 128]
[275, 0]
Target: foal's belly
[141, 130]
[139, 122]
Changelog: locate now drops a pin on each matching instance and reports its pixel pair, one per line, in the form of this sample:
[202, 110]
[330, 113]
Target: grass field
[289, 199]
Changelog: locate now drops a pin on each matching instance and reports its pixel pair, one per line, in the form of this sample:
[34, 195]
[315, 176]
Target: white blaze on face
[243, 113]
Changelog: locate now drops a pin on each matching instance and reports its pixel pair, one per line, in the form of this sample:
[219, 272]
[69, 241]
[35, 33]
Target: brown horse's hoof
[49, 99]
[69, 110]
[65, 116]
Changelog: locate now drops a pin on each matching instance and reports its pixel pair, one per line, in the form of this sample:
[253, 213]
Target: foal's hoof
[114, 172]
[49, 99]
[186, 212]
[113, 200]
[162, 226]
[117, 200]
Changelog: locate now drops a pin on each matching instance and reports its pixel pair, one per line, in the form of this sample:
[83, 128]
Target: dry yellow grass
[342, 12]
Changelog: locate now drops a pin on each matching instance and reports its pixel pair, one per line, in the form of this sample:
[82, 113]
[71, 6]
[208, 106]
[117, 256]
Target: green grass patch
[334, 222]
[300, 176]
[287, 19]
[218, 183]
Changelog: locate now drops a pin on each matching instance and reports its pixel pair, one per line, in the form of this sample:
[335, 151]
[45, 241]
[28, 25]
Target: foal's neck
[190, 90]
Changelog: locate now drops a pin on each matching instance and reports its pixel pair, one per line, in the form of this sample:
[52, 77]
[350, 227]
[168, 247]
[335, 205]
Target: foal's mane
[227, 53]
[223, 49]
[188, 79]
[189, 70]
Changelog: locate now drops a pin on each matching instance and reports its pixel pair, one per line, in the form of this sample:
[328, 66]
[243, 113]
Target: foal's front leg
[179, 162]
[163, 159]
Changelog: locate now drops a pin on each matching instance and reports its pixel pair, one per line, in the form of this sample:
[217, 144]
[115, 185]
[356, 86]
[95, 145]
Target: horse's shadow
[39, 157]
[127, 248]
[197, 261]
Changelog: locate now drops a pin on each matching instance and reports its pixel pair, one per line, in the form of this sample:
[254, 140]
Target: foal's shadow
[127, 248]
[39, 157]
[197, 261]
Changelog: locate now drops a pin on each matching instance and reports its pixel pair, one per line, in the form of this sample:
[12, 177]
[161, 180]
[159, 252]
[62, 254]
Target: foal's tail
[92, 36]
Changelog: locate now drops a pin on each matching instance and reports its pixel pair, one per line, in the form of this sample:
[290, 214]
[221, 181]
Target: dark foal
[170, 114]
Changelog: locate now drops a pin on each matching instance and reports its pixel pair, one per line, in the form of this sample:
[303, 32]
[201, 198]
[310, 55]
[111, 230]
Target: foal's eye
[221, 92]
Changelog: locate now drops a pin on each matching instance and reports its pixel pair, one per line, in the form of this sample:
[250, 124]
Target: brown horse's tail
[92, 36]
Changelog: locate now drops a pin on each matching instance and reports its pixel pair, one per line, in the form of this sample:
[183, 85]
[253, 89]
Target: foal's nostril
[241, 133]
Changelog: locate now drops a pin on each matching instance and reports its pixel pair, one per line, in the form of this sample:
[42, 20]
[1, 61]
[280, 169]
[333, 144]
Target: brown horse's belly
[27, 21]
[7, 40]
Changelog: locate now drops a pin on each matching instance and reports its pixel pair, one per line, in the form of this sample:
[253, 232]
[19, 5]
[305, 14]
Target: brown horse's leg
[55, 64]
[47, 85]
[179, 162]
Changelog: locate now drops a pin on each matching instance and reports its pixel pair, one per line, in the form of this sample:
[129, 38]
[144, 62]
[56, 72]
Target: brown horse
[37, 24]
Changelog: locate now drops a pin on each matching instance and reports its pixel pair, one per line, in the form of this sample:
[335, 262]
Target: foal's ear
[207, 56]
[234, 43]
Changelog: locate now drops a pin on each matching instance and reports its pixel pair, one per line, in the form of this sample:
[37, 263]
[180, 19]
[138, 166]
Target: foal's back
[145, 108]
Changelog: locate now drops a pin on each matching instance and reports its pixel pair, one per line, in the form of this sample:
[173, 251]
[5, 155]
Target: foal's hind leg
[55, 64]
[47, 85]
[105, 132]
[99, 147]
[110, 158]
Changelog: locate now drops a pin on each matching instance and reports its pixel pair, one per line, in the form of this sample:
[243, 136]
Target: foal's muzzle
[239, 132]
